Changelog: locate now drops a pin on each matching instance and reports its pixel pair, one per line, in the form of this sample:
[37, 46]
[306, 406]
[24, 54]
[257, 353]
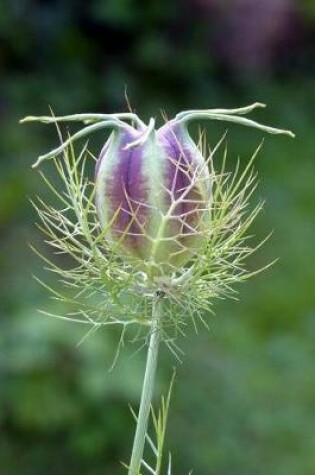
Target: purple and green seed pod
[153, 187]
[153, 193]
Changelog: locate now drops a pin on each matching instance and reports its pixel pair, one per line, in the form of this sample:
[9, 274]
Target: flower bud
[153, 191]
[152, 187]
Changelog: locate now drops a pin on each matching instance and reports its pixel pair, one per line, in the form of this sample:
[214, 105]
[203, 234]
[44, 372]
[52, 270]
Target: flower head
[156, 217]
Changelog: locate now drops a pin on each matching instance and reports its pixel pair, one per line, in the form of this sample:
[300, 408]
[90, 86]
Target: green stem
[147, 388]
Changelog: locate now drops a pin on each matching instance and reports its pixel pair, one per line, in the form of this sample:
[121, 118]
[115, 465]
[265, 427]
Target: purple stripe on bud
[125, 189]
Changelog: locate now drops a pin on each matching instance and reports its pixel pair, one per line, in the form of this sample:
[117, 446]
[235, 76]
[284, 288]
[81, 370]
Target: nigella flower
[153, 186]
[156, 217]
[154, 237]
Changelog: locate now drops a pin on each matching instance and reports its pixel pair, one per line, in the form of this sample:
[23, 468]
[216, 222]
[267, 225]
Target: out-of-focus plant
[154, 237]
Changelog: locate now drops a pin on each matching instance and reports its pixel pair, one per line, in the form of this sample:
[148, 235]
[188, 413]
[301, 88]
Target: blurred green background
[244, 398]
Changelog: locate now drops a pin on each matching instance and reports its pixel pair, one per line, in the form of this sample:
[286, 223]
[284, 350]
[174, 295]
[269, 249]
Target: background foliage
[244, 399]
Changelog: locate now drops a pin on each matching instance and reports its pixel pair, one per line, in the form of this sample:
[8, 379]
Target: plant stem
[147, 388]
